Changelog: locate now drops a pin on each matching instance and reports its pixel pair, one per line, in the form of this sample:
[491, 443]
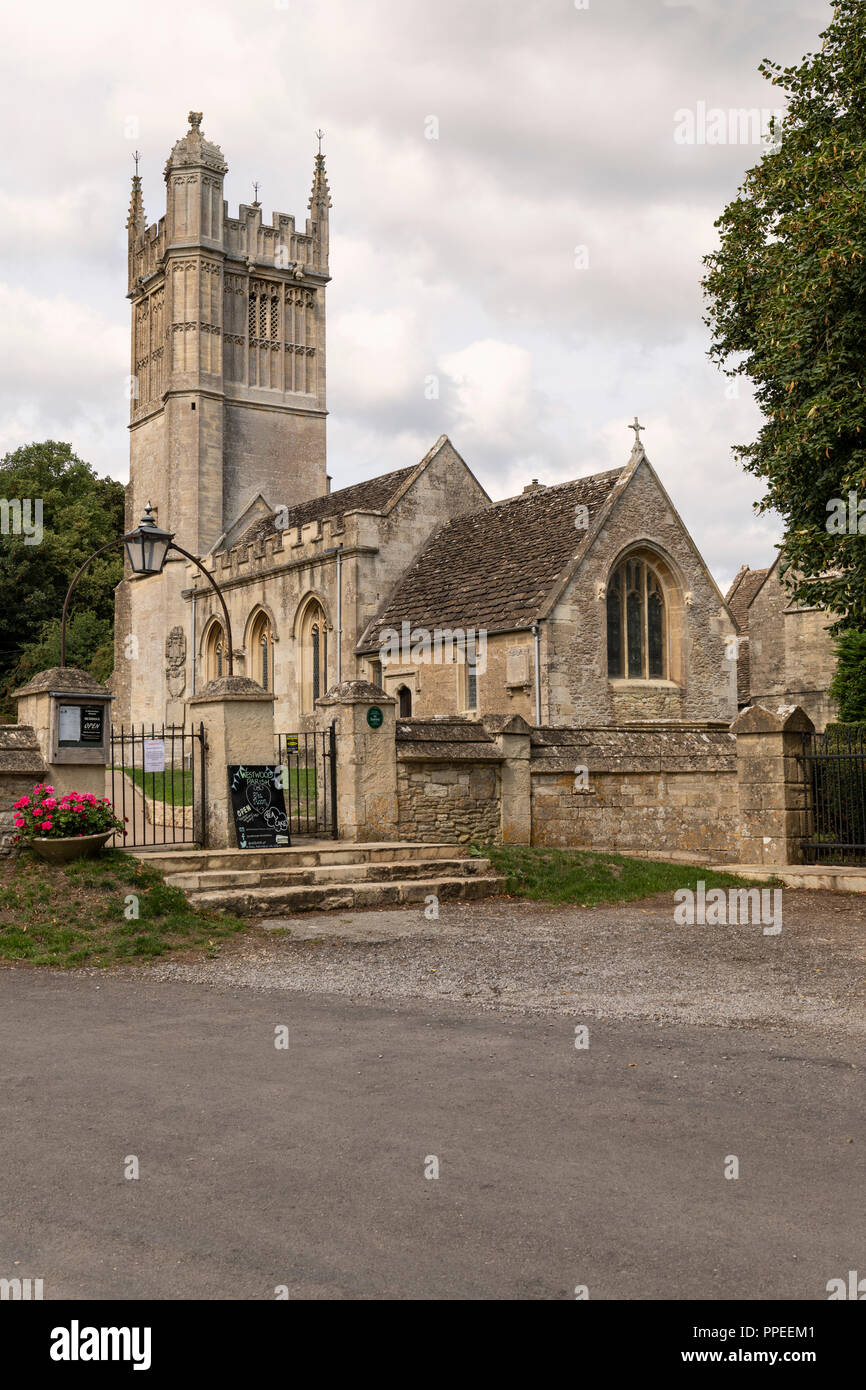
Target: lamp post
[146, 550]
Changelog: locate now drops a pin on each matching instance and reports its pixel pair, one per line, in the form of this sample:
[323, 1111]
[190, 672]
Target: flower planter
[62, 848]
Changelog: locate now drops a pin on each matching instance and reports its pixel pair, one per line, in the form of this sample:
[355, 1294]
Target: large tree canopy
[787, 308]
[80, 512]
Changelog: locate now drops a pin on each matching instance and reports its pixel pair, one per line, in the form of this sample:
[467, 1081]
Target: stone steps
[302, 855]
[331, 897]
[376, 872]
[324, 875]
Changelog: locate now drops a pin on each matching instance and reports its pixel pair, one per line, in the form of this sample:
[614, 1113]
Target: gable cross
[637, 429]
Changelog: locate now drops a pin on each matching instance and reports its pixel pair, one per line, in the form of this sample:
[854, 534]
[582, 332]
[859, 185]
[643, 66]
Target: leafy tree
[787, 308]
[89, 645]
[80, 512]
[848, 686]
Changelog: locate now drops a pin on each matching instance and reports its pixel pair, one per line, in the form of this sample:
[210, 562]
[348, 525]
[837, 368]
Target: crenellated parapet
[225, 302]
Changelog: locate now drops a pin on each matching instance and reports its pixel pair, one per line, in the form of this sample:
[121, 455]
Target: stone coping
[226, 688]
[449, 753]
[355, 693]
[63, 680]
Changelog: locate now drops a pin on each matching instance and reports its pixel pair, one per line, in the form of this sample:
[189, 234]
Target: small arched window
[215, 662]
[314, 656]
[261, 651]
[637, 635]
[316, 643]
[404, 695]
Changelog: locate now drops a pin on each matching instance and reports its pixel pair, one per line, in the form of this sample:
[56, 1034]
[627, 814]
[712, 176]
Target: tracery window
[261, 652]
[215, 663]
[636, 623]
[314, 656]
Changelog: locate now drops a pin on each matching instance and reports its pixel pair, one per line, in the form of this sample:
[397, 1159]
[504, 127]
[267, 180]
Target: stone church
[585, 603]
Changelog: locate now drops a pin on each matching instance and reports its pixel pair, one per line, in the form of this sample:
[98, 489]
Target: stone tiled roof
[739, 596]
[374, 495]
[741, 593]
[494, 568]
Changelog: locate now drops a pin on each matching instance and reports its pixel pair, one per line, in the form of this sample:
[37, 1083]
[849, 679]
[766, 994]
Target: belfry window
[636, 627]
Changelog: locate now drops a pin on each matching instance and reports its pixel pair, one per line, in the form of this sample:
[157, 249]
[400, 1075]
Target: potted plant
[60, 828]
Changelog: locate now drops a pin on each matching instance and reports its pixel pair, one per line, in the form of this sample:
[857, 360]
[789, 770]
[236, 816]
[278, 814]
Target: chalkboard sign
[259, 806]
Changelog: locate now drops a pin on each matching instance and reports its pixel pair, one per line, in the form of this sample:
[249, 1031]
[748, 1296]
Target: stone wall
[21, 766]
[792, 659]
[656, 790]
[663, 791]
[449, 782]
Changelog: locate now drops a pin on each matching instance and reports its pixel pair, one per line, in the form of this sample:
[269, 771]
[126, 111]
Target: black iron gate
[834, 773]
[160, 807]
[310, 783]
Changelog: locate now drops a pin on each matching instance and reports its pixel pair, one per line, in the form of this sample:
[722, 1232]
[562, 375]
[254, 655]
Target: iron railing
[834, 775]
[159, 808]
[310, 783]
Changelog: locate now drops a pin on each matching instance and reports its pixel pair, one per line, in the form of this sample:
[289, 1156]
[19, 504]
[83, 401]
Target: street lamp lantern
[147, 546]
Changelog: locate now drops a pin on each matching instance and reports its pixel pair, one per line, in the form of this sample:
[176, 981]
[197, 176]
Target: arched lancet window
[637, 637]
[215, 659]
[314, 656]
[261, 651]
[404, 695]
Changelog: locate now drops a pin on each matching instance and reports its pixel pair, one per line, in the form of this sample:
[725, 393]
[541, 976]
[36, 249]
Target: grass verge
[586, 878]
[76, 914]
[174, 787]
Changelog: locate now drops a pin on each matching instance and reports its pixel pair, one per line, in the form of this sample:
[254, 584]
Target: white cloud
[555, 129]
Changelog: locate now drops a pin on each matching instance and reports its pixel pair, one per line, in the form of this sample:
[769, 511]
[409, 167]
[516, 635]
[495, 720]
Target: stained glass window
[636, 635]
[634, 631]
[614, 628]
[655, 635]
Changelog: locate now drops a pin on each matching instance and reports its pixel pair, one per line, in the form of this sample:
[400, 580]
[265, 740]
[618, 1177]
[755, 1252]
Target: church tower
[227, 384]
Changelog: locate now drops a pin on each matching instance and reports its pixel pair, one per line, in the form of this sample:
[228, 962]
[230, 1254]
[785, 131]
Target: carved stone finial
[195, 122]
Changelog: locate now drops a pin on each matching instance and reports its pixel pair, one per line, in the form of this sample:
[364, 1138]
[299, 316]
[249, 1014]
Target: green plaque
[375, 717]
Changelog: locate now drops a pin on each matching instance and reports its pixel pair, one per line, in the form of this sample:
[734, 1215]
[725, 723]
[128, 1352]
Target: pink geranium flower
[46, 825]
[49, 803]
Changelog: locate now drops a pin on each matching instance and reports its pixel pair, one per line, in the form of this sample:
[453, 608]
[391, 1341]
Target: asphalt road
[305, 1167]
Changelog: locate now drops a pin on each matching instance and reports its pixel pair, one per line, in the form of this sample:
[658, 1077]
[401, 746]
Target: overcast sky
[541, 257]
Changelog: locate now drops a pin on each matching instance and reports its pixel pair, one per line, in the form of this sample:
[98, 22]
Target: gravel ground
[629, 962]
